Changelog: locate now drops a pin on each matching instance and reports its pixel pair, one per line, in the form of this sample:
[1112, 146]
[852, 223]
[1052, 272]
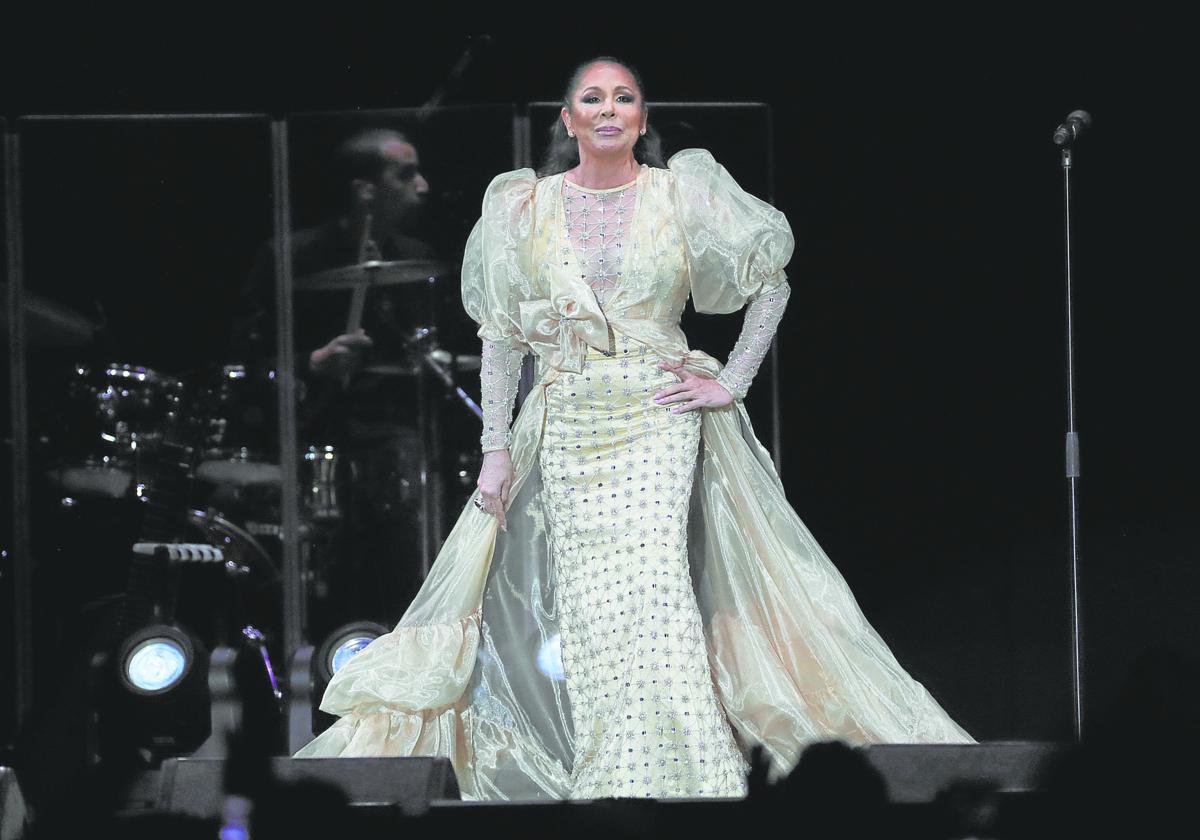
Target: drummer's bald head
[365, 155]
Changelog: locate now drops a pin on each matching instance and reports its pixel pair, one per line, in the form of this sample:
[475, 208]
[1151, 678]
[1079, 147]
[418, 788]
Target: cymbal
[371, 273]
[49, 324]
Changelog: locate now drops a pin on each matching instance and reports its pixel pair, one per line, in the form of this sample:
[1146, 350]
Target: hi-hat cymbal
[371, 273]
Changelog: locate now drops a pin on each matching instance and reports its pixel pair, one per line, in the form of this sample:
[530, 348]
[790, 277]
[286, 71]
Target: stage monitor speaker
[193, 786]
[917, 772]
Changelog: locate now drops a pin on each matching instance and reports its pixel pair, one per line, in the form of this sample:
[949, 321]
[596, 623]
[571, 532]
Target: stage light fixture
[152, 693]
[343, 644]
[311, 669]
[155, 660]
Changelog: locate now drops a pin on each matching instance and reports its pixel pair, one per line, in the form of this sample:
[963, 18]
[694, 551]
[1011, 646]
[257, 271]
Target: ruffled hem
[793, 659]
[388, 733]
[413, 669]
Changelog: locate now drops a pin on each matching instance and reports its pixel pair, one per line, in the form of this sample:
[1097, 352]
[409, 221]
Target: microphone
[1069, 131]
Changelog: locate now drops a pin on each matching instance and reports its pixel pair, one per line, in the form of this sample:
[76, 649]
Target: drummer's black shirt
[319, 315]
[390, 314]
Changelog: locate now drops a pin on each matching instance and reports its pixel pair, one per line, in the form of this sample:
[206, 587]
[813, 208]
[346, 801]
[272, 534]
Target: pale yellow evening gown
[655, 607]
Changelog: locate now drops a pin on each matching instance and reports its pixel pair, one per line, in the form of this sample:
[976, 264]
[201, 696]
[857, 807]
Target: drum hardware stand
[422, 346]
[427, 469]
[254, 638]
[436, 360]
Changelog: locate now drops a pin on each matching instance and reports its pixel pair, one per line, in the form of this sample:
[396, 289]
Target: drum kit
[122, 427]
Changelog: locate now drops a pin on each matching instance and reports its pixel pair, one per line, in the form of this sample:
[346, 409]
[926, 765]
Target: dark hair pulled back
[562, 153]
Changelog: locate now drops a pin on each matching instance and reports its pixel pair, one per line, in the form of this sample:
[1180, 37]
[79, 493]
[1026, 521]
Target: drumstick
[358, 300]
[367, 251]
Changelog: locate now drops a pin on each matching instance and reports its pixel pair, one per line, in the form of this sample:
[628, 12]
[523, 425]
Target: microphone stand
[1072, 452]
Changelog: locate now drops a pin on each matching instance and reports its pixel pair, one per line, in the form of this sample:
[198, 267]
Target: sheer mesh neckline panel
[575, 186]
[597, 225]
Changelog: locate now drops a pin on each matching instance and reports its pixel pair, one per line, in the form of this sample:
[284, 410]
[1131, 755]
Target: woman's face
[606, 113]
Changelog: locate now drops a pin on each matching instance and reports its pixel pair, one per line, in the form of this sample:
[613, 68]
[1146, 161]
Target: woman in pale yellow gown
[629, 604]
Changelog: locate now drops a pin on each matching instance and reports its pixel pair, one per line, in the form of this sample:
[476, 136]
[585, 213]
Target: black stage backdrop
[923, 350]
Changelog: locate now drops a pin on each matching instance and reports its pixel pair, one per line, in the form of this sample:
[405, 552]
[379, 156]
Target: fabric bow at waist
[559, 330]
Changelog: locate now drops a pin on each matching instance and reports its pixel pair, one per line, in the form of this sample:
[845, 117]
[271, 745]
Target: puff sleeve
[495, 278]
[737, 246]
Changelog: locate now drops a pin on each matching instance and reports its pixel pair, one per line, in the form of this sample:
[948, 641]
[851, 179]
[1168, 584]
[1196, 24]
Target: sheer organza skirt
[471, 672]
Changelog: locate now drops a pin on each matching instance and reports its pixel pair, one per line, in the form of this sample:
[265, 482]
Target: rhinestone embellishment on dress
[617, 473]
[597, 223]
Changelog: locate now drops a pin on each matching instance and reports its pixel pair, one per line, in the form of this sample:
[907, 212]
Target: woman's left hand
[692, 391]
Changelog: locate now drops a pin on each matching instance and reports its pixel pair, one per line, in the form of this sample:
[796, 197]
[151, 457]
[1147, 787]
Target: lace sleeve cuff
[499, 376]
[758, 331]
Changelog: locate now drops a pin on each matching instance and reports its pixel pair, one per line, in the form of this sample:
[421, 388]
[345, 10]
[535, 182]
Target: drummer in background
[380, 205]
[382, 194]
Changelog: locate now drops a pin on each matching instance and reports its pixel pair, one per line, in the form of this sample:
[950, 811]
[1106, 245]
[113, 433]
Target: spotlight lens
[156, 664]
[344, 652]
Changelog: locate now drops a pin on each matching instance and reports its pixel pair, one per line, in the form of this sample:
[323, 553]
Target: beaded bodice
[597, 224]
[642, 248]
